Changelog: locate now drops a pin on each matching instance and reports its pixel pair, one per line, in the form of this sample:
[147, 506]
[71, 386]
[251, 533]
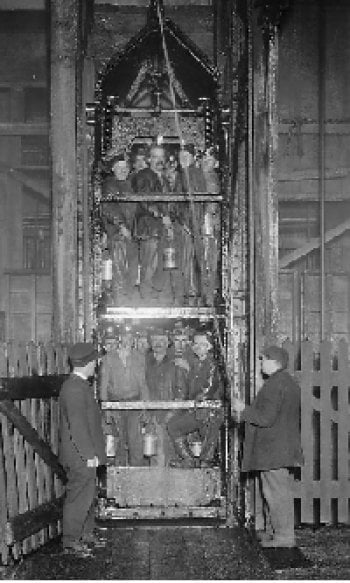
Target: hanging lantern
[149, 444]
[169, 258]
[110, 446]
[208, 226]
[107, 270]
[196, 448]
[109, 332]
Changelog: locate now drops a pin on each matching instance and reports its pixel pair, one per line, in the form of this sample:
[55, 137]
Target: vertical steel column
[64, 44]
[322, 152]
[250, 199]
[249, 508]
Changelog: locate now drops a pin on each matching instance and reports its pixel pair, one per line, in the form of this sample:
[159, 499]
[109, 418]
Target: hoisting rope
[196, 236]
[171, 76]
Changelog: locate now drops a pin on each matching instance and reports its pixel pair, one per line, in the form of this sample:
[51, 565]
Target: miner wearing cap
[203, 383]
[163, 382]
[153, 222]
[120, 222]
[81, 448]
[123, 379]
[272, 445]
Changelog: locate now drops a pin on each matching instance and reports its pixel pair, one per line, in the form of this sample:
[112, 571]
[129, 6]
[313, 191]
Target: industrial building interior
[253, 250]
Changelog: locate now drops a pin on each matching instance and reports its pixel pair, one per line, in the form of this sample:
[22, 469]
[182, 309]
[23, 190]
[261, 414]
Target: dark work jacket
[203, 378]
[81, 436]
[121, 382]
[160, 377]
[146, 180]
[115, 214]
[272, 425]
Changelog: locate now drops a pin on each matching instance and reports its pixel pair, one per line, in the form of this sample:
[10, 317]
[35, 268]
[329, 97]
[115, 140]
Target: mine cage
[159, 279]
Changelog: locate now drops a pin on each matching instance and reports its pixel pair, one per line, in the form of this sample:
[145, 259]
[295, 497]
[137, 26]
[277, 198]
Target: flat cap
[81, 353]
[276, 353]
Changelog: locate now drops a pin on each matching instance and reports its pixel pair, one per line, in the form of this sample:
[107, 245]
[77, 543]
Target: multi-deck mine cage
[160, 278]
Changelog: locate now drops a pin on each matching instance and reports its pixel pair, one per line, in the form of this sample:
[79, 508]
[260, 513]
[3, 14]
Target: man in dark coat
[81, 449]
[203, 383]
[273, 446]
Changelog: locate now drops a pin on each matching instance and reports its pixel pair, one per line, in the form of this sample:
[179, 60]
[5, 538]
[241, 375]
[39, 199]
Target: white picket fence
[323, 372]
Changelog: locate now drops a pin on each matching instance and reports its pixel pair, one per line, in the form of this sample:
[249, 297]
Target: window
[35, 151]
[5, 105]
[36, 104]
[36, 244]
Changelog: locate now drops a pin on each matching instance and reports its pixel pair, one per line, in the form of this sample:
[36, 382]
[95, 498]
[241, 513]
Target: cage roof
[192, 69]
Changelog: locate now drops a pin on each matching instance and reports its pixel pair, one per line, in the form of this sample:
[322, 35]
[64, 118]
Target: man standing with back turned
[272, 445]
[81, 449]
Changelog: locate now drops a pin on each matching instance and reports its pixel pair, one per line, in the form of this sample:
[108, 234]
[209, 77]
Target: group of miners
[272, 443]
[161, 367]
[162, 252]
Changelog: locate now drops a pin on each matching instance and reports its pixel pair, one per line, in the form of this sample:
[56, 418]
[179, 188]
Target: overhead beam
[40, 4]
[22, 4]
[145, 3]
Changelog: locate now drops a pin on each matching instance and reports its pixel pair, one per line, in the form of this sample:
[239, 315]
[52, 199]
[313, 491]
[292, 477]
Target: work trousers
[183, 423]
[79, 504]
[207, 424]
[125, 269]
[134, 438]
[278, 504]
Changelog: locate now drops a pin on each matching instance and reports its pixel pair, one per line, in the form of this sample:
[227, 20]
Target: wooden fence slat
[59, 359]
[292, 353]
[48, 493]
[4, 551]
[11, 357]
[21, 478]
[40, 446]
[307, 492]
[62, 365]
[50, 359]
[325, 410]
[31, 469]
[32, 355]
[11, 481]
[3, 360]
[39, 463]
[55, 417]
[22, 362]
[42, 362]
[343, 433]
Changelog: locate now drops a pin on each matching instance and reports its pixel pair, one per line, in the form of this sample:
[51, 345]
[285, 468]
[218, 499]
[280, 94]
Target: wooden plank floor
[164, 552]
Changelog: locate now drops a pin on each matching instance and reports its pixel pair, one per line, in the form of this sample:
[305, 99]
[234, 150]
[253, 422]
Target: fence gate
[323, 491]
[31, 478]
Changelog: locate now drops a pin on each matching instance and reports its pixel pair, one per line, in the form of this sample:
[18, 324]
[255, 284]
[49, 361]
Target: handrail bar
[160, 405]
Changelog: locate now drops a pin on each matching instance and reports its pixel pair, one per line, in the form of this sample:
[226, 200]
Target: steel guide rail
[160, 405]
[201, 313]
[161, 197]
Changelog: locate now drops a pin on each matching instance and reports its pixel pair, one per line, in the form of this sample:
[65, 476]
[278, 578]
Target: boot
[210, 443]
[207, 455]
[183, 451]
[208, 451]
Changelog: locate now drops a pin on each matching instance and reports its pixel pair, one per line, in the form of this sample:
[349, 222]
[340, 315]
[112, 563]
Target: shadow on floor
[153, 552]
